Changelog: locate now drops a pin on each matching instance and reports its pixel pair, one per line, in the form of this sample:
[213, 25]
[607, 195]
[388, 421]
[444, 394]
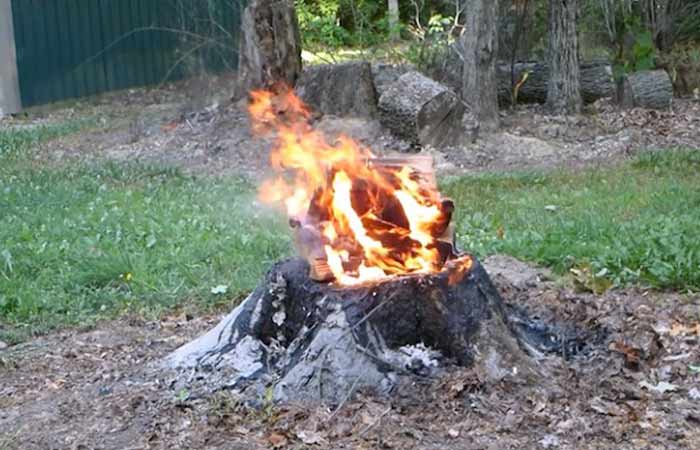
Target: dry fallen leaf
[661, 388]
[605, 407]
[678, 329]
[277, 440]
[310, 437]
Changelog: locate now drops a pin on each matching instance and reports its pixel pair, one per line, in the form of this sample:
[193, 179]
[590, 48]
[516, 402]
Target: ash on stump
[311, 341]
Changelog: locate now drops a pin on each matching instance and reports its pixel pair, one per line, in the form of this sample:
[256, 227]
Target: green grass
[82, 242]
[18, 141]
[638, 223]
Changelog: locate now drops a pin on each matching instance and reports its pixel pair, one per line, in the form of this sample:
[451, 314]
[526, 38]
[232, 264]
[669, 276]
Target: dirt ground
[100, 388]
[637, 389]
[195, 125]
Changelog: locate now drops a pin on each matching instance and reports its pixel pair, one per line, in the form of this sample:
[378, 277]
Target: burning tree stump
[270, 45]
[422, 111]
[381, 294]
[646, 89]
[311, 341]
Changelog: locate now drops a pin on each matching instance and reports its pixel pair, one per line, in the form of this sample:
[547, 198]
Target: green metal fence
[74, 48]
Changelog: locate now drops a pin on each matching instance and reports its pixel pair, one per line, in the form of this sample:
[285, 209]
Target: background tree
[394, 18]
[478, 49]
[564, 87]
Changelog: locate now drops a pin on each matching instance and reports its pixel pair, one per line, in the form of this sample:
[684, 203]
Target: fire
[370, 219]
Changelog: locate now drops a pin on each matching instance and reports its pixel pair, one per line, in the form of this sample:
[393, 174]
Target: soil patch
[195, 126]
[636, 388]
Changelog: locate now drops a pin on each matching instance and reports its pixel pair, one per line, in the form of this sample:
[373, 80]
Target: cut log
[309, 341]
[596, 79]
[646, 89]
[422, 111]
[596, 82]
[339, 89]
[386, 74]
[270, 46]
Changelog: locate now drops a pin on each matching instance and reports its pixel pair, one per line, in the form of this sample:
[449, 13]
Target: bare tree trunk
[564, 88]
[394, 18]
[270, 46]
[479, 48]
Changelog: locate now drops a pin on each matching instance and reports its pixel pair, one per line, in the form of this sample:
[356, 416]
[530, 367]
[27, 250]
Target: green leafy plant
[637, 51]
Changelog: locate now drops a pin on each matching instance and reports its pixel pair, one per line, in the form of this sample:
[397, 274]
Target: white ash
[417, 358]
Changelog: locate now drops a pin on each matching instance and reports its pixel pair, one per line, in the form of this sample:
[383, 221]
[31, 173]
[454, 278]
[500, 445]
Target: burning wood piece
[309, 341]
[381, 224]
[373, 218]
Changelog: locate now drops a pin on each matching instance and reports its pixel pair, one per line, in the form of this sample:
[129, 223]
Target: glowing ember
[371, 219]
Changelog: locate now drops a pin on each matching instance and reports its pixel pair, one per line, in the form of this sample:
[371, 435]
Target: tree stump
[422, 111]
[270, 45]
[309, 341]
[646, 89]
[339, 89]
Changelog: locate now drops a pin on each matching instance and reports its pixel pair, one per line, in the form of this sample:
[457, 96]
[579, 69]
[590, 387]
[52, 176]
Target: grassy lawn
[637, 223]
[91, 241]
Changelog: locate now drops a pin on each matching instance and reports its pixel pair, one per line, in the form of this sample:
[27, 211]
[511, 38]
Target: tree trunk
[308, 341]
[339, 89]
[394, 18]
[270, 45]
[646, 89]
[564, 87]
[479, 47]
[422, 111]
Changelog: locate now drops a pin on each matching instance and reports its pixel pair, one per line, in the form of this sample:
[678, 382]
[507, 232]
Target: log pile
[596, 79]
[596, 82]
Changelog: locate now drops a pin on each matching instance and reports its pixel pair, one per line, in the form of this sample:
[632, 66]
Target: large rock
[422, 111]
[339, 89]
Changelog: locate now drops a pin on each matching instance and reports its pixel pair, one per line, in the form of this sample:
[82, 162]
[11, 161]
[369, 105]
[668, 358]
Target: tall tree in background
[394, 18]
[564, 87]
[478, 48]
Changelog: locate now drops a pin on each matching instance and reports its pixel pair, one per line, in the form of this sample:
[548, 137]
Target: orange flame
[374, 220]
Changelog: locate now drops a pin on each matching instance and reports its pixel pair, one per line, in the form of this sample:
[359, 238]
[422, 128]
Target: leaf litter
[98, 388]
